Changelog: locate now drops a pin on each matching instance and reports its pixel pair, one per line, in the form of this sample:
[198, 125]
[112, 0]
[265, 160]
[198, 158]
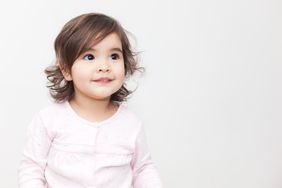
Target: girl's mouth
[103, 80]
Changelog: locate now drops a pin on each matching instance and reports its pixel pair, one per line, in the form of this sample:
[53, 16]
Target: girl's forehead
[110, 42]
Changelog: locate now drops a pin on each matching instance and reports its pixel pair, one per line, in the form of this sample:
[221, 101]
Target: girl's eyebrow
[112, 49]
[116, 49]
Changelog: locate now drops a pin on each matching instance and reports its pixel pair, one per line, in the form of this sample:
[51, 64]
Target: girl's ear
[66, 74]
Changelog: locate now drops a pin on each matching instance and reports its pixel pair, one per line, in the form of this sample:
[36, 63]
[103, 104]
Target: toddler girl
[88, 138]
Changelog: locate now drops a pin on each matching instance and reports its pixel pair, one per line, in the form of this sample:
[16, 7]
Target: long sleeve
[34, 158]
[145, 174]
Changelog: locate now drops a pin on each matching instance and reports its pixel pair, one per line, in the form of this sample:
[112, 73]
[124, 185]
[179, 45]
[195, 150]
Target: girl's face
[99, 72]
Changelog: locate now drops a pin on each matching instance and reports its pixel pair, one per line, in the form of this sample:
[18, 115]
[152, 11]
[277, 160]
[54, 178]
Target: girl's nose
[104, 67]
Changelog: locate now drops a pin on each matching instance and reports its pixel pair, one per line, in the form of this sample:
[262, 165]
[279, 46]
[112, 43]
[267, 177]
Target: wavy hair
[76, 37]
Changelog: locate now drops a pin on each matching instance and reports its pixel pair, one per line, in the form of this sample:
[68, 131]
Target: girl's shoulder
[51, 112]
[129, 115]
[53, 109]
[48, 115]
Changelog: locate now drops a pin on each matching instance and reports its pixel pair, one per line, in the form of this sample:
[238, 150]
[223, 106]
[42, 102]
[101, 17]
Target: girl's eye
[115, 56]
[89, 57]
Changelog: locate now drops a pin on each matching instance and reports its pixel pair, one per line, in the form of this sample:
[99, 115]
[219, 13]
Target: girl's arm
[145, 174]
[34, 158]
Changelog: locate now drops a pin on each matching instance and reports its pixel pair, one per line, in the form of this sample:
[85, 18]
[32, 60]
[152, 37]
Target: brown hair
[76, 37]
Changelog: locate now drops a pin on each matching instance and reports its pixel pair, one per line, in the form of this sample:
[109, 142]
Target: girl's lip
[103, 80]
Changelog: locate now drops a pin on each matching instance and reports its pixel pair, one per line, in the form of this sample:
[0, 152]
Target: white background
[211, 97]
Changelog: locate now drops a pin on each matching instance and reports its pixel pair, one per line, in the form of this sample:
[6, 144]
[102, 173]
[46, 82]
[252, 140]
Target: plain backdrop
[211, 96]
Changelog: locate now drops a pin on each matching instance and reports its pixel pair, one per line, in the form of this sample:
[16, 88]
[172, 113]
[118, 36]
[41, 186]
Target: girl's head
[89, 47]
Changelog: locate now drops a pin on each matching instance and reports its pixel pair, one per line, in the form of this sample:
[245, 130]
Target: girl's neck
[93, 110]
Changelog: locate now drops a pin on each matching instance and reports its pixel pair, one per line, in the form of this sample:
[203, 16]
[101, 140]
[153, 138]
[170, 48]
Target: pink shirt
[64, 150]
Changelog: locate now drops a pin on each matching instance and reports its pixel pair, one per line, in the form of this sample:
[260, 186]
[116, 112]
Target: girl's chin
[102, 97]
